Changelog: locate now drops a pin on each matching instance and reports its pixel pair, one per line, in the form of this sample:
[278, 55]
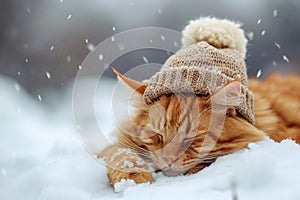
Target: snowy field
[42, 158]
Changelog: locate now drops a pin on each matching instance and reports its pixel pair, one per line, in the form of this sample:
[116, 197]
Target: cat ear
[139, 87]
[229, 95]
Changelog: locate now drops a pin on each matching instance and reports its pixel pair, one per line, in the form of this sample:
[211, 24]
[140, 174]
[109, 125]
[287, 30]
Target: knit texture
[201, 69]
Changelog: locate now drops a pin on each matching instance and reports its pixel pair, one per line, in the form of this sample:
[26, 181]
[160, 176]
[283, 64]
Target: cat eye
[159, 138]
[156, 139]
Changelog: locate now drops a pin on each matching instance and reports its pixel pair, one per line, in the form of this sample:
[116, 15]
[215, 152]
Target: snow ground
[42, 158]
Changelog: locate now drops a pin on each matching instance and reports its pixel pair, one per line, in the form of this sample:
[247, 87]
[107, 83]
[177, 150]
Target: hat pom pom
[220, 33]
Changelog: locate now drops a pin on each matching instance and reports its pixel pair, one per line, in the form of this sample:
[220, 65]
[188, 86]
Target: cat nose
[169, 160]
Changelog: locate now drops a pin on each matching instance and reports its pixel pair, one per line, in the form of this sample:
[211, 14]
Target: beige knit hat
[212, 55]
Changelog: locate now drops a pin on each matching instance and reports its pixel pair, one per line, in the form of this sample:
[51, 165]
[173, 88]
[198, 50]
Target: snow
[259, 21]
[69, 58]
[275, 13]
[28, 10]
[258, 73]
[145, 59]
[127, 164]
[175, 44]
[42, 158]
[39, 97]
[123, 185]
[250, 35]
[285, 58]
[90, 47]
[17, 87]
[277, 45]
[48, 75]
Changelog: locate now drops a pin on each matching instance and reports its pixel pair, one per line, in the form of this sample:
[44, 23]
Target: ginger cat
[168, 135]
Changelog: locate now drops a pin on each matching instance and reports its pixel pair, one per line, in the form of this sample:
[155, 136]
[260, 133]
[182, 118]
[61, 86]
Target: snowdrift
[42, 158]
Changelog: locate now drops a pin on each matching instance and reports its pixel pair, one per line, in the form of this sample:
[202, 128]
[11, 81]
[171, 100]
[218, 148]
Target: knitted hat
[212, 55]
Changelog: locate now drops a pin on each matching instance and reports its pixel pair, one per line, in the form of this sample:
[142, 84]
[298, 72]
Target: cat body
[169, 134]
[201, 106]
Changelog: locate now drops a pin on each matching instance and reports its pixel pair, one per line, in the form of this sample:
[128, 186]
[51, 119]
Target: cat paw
[138, 175]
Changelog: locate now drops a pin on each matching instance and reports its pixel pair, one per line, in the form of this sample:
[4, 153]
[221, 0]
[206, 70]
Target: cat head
[183, 132]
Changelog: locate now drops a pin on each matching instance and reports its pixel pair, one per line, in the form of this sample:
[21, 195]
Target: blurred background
[43, 42]
[42, 45]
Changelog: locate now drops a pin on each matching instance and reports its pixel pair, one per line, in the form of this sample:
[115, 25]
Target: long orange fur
[167, 136]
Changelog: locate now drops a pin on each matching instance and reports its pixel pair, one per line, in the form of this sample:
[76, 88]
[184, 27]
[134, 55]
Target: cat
[168, 135]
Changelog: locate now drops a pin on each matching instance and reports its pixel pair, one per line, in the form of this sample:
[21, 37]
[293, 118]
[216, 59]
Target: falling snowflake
[48, 75]
[69, 58]
[275, 13]
[250, 35]
[112, 38]
[69, 16]
[274, 63]
[86, 40]
[285, 58]
[100, 57]
[263, 32]
[114, 28]
[90, 47]
[79, 67]
[60, 1]
[258, 73]
[17, 87]
[3, 171]
[159, 11]
[121, 46]
[277, 45]
[151, 41]
[259, 21]
[28, 10]
[175, 44]
[26, 60]
[162, 37]
[145, 59]
[51, 48]
[19, 73]
[39, 97]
